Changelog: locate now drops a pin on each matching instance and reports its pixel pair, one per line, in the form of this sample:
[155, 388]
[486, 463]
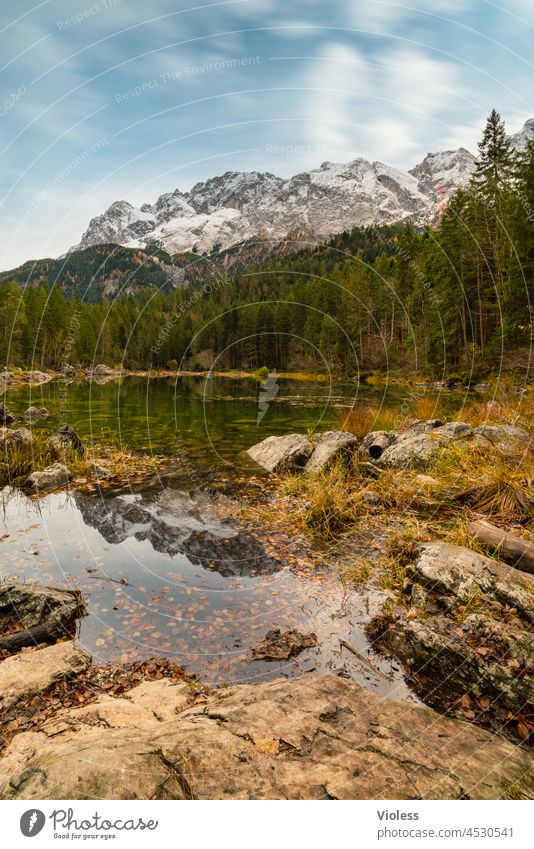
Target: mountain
[519, 140]
[238, 206]
[99, 271]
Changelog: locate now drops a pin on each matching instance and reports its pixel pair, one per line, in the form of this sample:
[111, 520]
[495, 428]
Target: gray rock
[66, 437]
[418, 428]
[413, 451]
[100, 471]
[21, 436]
[282, 453]
[490, 652]
[36, 414]
[33, 604]
[504, 436]
[329, 447]
[50, 478]
[312, 737]
[103, 369]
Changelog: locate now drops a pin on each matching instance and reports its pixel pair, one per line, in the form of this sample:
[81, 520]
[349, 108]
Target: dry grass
[505, 409]
[330, 502]
[496, 483]
[362, 419]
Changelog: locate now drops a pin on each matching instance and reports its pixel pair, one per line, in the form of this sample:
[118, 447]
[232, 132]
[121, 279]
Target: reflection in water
[176, 522]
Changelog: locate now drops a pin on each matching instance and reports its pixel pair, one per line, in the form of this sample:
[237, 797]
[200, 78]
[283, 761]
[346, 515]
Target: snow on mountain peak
[239, 205]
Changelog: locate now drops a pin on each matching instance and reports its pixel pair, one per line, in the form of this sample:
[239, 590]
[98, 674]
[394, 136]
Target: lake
[167, 569]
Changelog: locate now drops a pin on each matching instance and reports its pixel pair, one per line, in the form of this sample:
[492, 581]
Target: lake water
[165, 570]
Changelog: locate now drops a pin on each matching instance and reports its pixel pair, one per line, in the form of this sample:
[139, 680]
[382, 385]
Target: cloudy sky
[121, 99]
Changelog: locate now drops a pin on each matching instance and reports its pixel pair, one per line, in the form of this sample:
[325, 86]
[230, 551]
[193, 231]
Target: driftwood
[379, 445]
[515, 550]
[49, 632]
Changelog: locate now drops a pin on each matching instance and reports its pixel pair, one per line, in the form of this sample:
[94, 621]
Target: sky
[105, 100]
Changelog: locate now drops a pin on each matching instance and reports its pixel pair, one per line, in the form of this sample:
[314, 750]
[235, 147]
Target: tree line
[438, 299]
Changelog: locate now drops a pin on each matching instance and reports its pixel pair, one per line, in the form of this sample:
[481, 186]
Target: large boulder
[52, 477]
[314, 737]
[35, 671]
[288, 453]
[36, 414]
[467, 631]
[329, 447]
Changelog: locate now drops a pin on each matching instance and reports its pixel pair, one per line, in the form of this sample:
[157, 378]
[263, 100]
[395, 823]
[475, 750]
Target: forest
[442, 299]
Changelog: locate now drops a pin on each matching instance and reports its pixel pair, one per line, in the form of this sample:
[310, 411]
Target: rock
[34, 671]
[413, 451]
[103, 369]
[50, 478]
[6, 417]
[68, 371]
[314, 737]
[329, 447]
[37, 377]
[418, 428]
[36, 414]
[451, 651]
[282, 453]
[22, 436]
[503, 436]
[460, 572]
[425, 483]
[282, 646]
[66, 437]
[33, 604]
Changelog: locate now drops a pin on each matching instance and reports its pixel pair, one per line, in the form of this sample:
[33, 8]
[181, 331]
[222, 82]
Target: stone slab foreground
[314, 737]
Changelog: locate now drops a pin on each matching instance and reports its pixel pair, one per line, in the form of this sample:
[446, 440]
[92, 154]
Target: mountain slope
[238, 206]
[100, 271]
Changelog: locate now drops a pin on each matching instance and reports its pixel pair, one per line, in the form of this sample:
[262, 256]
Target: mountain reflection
[176, 522]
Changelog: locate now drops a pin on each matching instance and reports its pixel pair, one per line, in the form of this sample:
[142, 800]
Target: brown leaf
[523, 731]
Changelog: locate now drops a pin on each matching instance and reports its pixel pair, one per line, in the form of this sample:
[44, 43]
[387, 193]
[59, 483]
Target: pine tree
[493, 170]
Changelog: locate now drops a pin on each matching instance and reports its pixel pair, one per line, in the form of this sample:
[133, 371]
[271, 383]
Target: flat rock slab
[34, 671]
[314, 737]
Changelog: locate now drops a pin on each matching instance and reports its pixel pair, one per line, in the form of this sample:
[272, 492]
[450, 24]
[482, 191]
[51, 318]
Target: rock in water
[6, 417]
[314, 737]
[329, 447]
[282, 453]
[50, 478]
[282, 646]
[36, 414]
[32, 604]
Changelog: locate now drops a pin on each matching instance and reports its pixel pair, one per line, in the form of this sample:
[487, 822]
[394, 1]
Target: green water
[210, 421]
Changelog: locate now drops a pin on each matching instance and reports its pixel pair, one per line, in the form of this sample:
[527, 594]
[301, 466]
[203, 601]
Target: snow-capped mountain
[237, 206]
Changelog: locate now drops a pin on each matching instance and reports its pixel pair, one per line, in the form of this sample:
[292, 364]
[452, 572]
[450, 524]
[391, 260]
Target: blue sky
[120, 99]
